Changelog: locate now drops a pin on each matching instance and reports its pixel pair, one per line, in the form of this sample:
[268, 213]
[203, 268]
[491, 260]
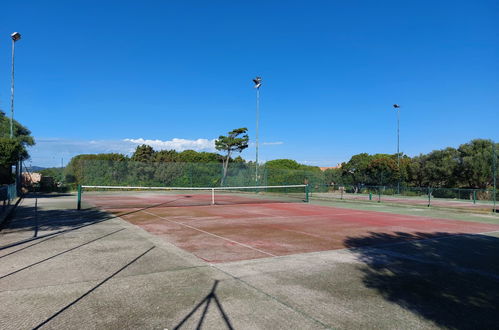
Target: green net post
[379, 194]
[474, 196]
[307, 193]
[370, 196]
[79, 198]
[429, 196]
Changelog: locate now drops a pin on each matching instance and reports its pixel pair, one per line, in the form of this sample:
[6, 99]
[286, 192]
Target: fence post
[429, 196]
[307, 192]
[379, 194]
[474, 196]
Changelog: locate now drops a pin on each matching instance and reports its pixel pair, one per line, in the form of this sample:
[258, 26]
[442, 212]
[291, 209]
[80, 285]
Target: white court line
[215, 235]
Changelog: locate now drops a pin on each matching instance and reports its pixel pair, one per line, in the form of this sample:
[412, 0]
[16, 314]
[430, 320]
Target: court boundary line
[214, 235]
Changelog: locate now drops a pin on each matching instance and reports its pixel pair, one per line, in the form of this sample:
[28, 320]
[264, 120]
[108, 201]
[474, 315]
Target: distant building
[330, 167]
[31, 178]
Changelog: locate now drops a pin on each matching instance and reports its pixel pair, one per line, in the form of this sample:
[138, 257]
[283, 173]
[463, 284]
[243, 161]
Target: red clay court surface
[223, 233]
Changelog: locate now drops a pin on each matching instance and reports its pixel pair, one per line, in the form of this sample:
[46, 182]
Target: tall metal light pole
[397, 107]
[258, 83]
[494, 173]
[15, 37]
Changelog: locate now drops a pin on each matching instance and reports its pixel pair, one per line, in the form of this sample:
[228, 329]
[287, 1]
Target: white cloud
[177, 144]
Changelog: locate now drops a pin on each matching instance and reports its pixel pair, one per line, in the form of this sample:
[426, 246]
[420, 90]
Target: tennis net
[124, 197]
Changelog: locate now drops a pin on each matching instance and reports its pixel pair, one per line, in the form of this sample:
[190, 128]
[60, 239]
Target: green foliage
[382, 170]
[474, 163]
[12, 150]
[332, 175]
[469, 166]
[9, 154]
[57, 173]
[233, 141]
[288, 171]
[440, 168]
[143, 153]
[236, 141]
[9, 151]
[355, 170]
[284, 164]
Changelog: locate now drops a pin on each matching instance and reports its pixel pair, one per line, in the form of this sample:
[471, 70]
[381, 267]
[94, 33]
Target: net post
[78, 206]
[474, 196]
[212, 196]
[429, 196]
[307, 193]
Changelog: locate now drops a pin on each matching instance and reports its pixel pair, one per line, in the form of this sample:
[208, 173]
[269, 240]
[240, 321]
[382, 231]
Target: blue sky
[104, 76]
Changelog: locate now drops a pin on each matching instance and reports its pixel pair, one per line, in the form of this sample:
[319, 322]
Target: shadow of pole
[61, 253]
[92, 289]
[207, 301]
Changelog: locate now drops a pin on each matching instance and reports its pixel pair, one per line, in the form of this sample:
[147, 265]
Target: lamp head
[15, 36]
[258, 82]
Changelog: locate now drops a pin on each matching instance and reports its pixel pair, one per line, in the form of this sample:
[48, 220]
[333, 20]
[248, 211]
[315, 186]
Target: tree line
[468, 166]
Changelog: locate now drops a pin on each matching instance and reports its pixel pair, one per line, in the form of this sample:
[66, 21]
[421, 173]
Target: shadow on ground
[37, 223]
[206, 301]
[450, 279]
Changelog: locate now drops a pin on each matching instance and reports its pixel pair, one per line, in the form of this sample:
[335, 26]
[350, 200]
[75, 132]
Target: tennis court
[157, 261]
[249, 226]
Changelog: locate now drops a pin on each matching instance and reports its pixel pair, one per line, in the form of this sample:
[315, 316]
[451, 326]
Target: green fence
[176, 174]
[7, 194]
[426, 196]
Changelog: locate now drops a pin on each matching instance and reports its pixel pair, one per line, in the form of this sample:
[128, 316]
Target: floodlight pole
[256, 138]
[397, 107]
[258, 83]
[494, 173]
[15, 37]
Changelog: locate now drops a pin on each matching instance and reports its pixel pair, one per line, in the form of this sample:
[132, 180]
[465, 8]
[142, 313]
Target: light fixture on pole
[258, 83]
[16, 36]
[397, 107]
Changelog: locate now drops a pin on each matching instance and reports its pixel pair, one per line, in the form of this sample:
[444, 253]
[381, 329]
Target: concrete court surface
[64, 269]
